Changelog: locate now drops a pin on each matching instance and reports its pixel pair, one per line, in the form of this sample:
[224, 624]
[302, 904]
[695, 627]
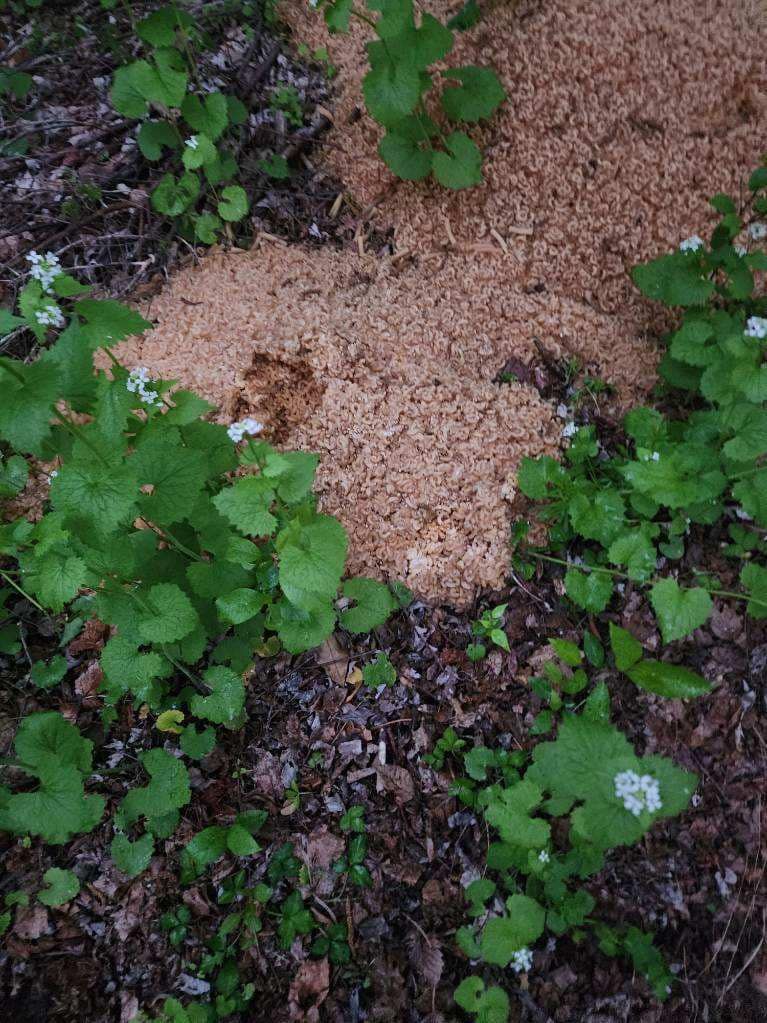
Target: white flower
[757, 231]
[522, 961]
[655, 456]
[238, 430]
[44, 268]
[741, 250]
[691, 244]
[543, 856]
[570, 429]
[50, 316]
[192, 142]
[756, 327]
[638, 792]
[137, 382]
[562, 411]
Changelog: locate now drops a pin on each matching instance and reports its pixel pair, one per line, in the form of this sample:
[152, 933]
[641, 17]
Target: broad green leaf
[174, 196]
[753, 578]
[159, 28]
[751, 439]
[591, 591]
[675, 280]
[154, 137]
[63, 886]
[679, 611]
[205, 848]
[380, 672]
[635, 550]
[478, 96]
[246, 505]
[170, 721]
[209, 116]
[391, 92]
[301, 628]
[670, 680]
[169, 615]
[490, 1005]
[537, 477]
[130, 669]
[509, 811]
[27, 406]
[227, 698]
[233, 204]
[240, 605]
[404, 156]
[240, 842]
[567, 651]
[373, 605]
[626, 649]
[200, 152]
[197, 745]
[292, 474]
[132, 858]
[503, 936]
[337, 15]
[176, 474]
[107, 321]
[211, 579]
[275, 166]
[207, 227]
[48, 675]
[312, 558]
[167, 790]
[14, 474]
[461, 165]
[598, 516]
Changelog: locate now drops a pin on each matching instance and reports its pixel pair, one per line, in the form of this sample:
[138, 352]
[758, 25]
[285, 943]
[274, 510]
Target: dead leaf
[309, 990]
[87, 682]
[32, 922]
[426, 956]
[334, 660]
[323, 848]
[397, 781]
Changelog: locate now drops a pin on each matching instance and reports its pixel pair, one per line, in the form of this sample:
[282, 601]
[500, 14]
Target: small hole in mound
[282, 394]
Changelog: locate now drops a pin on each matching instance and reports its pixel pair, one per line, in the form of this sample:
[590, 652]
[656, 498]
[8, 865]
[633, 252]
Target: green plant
[396, 85]
[590, 778]
[196, 126]
[286, 99]
[175, 922]
[448, 744]
[198, 548]
[488, 626]
[210, 844]
[352, 862]
[380, 672]
[624, 512]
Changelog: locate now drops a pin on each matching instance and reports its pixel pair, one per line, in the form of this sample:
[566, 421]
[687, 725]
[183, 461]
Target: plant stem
[24, 593]
[623, 575]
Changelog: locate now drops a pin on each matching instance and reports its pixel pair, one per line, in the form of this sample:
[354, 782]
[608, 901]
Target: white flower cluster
[691, 244]
[638, 792]
[570, 429]
[741, 250]
[543, 856]
[756, 327]
[238, 430]
[137, 382]
[50, 316]
[522, 961]
[757, 231]
[192, 142]
[44, 268]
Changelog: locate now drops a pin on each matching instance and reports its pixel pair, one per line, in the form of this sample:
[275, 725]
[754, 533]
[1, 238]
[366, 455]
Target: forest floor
[317, 742]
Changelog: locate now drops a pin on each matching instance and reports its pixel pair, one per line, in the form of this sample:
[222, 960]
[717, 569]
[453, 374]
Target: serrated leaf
[107, 321]
[635, 550]
[127, 667]
[154, 137]
[674, 280]
[240, 842]
[598, 516]
[27, 406]
[679, 611]
[197, 155]
[14, 474]
[503, 936]
[404, 156]
[391, 92]
[176, 474]
[209, 116]
[159, 28]
[197, 745]
[312, 558]
[670, 680]
[240, 605]
[205, 848]
[509, 811]
[206, 228]
[227, 699]
[537, 477]
[63, 886]
[301, 628]
[170, 615]
[478, 96]
[55, 579]
[591, 591]
[170, 721]
[174, 196]
[48, 675]
[132, 858]
[626, 649]
[374, 604]
[168, 789]
[246, 505]
[461, 166]
[292, 474]
[753, 578]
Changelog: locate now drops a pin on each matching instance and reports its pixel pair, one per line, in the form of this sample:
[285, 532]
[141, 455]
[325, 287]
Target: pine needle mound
[621, 121]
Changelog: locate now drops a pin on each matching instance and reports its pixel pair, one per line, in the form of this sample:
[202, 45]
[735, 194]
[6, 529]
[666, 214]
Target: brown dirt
[621, 121]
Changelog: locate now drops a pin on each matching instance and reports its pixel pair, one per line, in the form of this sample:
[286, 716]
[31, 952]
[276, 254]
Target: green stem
[4, 575]
[623, 575]
[8, 366]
